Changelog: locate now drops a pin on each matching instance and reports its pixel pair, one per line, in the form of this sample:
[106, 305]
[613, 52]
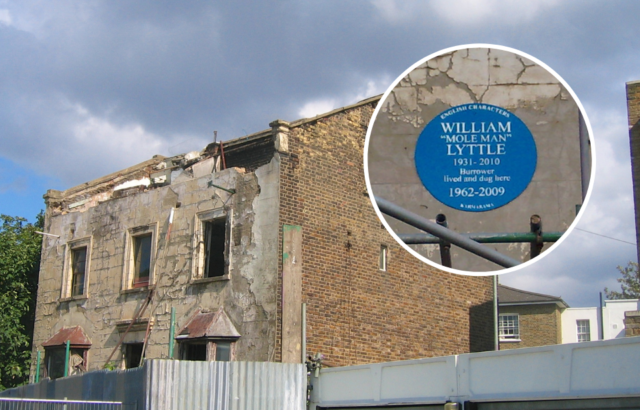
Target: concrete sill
[136, 290]
[72, 298]
[510, 340]
[208, 280]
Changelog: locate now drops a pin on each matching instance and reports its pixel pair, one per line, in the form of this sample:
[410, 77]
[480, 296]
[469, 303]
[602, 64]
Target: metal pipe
[172, 331]
[455, 238]
[585, 155]
[304, 333]
[481, 237]
[66, 359]
[536, 228]
[445, 246]
[37, 379]
[601, 314]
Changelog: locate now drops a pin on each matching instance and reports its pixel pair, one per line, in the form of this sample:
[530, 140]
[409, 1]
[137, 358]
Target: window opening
[584, 330]
[223, 351]
[214, 241]
[382, 262]
[195, 351]
[54, 360]
[142, 260]
[78, 269]
[132, 355]
[508, 327]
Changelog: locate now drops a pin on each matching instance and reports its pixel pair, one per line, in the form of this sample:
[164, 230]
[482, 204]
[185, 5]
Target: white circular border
[575, 220]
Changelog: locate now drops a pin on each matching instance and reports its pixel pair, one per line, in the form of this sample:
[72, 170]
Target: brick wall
[633, 109]
[632, 323]
[357, 313]
[539, 326]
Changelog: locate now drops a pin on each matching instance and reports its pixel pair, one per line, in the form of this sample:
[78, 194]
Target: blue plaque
[476, 157]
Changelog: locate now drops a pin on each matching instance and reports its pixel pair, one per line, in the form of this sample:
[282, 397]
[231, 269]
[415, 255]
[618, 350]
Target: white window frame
[582, 331]
[128, 275]
[199, 253]
[509, 337]
[383, 258]
[67, 275]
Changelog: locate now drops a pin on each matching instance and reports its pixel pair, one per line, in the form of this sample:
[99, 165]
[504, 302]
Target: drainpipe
[37, 379]
[66, 360]
[496, 340]
[172, 330]
[304, 333]
[601, 314]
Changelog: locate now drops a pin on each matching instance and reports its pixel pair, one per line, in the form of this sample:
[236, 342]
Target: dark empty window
[141, 260]
[214, 240]
[78, 267]
[193, 351]
[132, 355]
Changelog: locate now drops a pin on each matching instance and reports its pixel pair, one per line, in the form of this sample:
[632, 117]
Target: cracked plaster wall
[489, 76]
[248, 297]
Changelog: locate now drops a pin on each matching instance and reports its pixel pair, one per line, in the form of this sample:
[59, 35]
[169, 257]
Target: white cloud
[322, 105]
[313, 108]
[5, 17]
[463, 11]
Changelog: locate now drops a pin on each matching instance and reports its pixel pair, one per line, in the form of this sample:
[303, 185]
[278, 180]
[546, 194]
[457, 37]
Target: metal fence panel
[42, 404]
[187, 385]
[182, 385]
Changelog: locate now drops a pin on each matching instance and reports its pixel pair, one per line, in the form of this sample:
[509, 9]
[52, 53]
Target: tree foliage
[20, 248]
[629, 282]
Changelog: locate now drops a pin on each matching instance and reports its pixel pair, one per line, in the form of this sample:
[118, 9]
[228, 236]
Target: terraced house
[260, 248]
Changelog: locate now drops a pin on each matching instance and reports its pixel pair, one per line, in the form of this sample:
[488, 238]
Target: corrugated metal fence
[37, 404]
[183, 385]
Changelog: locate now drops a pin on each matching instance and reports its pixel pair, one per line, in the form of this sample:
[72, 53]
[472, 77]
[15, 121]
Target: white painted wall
[614, 316]
[569, 326]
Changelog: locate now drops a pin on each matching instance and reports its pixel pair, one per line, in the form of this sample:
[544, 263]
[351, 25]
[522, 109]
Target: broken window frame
[211, 349]
[69, 269]
[131, 276]
[203, 221]
[54, 361]
[130, 357]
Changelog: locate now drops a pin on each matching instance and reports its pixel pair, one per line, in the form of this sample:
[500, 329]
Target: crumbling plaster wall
[248, 297]
[491, 76]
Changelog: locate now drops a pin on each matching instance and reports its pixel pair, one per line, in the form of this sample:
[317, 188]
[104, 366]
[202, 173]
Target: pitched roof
[209, 325]
[512, 296]
[75, 335]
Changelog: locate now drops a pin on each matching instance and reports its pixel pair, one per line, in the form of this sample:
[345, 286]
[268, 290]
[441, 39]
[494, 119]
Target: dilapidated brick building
[236, 238]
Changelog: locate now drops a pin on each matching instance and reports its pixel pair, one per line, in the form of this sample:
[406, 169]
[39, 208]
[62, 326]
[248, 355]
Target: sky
[89, 87]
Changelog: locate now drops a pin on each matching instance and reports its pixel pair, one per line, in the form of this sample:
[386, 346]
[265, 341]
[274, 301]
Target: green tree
[629, 282]
[20, 248]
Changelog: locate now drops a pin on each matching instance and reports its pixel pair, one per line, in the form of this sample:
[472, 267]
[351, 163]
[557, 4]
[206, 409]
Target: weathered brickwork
[632, 323]
[357, 313]
[539, 326]
[633, 108]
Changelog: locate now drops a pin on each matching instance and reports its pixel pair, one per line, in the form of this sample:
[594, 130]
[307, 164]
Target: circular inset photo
[478, 159]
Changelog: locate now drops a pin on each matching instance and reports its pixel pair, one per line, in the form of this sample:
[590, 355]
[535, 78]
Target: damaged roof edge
[124, 173]
[130, 172]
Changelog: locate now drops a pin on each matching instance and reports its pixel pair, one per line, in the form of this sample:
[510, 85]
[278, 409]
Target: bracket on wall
[211, 184]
